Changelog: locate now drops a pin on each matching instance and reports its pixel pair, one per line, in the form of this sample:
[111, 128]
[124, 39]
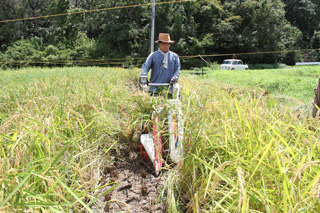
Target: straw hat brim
[170, 42]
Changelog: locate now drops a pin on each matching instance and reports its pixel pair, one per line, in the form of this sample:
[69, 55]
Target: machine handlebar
[159, 84]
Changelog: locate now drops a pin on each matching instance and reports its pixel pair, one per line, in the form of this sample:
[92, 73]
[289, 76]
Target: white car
[233, 64]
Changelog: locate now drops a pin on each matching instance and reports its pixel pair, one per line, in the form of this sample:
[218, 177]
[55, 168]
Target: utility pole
[152, 25]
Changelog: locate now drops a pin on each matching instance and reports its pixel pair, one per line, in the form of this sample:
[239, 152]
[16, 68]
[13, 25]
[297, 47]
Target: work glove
[143, 83]
[143, 80]
[172, 82]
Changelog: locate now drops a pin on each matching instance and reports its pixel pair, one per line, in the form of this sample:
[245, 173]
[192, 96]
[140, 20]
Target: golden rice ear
[316, 101]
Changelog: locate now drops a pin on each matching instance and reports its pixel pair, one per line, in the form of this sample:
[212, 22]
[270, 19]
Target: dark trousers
[164, 94]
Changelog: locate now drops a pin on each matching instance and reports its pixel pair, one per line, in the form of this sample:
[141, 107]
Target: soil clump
[138, 188]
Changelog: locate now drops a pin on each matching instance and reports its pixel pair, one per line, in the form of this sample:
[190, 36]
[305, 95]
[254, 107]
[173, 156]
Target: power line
[252, 53]
[95, 10]
[110, 61]
[121, 61]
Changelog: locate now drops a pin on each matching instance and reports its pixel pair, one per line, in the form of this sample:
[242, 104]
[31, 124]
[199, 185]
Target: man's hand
[143, 80]
[143, 83]
[172, 81]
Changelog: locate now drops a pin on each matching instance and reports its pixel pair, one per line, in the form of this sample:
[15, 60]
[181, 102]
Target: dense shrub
[33, 51]
[266, 66]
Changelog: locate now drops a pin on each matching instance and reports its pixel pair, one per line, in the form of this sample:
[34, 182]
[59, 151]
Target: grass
[245, 151]
[290, 85]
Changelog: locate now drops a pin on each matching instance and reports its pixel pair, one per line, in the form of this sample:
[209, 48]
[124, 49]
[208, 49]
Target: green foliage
[29, 50]
[304, 15]
[198, 27]
[315, 43]
[64, 29]
[260, 28]
[12, 31]
[34, 52]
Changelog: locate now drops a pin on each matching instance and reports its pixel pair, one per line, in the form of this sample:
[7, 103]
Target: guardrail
[307, 63]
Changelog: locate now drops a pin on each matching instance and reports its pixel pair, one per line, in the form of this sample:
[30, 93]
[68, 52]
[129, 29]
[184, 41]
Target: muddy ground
[138, 190]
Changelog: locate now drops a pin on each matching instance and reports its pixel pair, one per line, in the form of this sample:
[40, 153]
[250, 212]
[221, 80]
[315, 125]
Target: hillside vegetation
[244, 150]
[120, 30]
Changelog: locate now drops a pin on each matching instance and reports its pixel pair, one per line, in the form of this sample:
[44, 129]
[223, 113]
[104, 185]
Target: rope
[252, 53]
[94, 10]
[120, 61]
[204, 60]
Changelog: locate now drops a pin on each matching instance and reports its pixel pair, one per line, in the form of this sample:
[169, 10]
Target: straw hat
[164, 37]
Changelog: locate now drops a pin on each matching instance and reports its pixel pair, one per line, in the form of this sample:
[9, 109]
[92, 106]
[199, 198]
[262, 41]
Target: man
[164, 64]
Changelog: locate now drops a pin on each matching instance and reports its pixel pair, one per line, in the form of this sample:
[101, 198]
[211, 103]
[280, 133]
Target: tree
[198, 27]
[261, 28]
[304, 15]
[64, 29]
[15, 9]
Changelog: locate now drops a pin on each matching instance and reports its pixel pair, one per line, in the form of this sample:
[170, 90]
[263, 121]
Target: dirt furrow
[138, 190]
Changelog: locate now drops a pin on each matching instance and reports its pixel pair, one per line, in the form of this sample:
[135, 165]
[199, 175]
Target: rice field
[57, 127]
[246, 150]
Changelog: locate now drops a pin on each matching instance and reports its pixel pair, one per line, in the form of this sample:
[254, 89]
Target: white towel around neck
[165, 58]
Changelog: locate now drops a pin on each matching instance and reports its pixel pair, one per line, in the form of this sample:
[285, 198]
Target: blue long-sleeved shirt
[159, 74]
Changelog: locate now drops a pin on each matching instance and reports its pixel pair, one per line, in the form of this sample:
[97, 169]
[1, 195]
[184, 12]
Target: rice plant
[57, 127]
[244, 150]
[248, 153]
